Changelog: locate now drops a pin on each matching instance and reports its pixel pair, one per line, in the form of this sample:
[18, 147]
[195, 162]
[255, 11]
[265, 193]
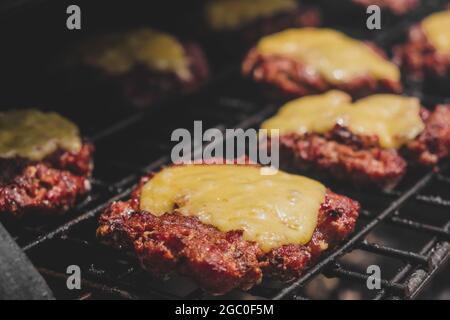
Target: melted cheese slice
[437, 30]
[332, 54]
[231, 14]
[271, 210]
[118, 53]
[394, 119]
[33, 135]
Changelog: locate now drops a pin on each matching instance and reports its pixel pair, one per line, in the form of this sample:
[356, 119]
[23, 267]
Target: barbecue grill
[406, 231]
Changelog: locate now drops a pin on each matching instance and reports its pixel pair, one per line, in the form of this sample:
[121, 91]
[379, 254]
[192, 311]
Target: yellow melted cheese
[437, 30]
[231, 14]
[271, 210]
[33, 135]
[332, 54]
[394, 119]
[118, 53]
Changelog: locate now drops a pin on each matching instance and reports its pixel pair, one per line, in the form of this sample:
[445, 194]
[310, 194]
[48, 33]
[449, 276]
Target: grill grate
[417, 211]
[418, 267]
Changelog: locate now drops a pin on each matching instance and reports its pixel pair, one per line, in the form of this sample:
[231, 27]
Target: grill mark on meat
[218, 261]
[48, 186]
[289, 78]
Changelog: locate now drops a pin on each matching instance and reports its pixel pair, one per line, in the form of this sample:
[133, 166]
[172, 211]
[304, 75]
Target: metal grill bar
[441, 232]
[65, 227]
[395, 253]
[338, 271]
[443, 178]
[91, 285]
[428, 199]
[408, 267]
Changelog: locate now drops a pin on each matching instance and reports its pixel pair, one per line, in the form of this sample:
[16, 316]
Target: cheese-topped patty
[437, 30]
[335, 56]
[231, 14]
[118, 53]
[394, 119]
[272, 210]
[33, 134]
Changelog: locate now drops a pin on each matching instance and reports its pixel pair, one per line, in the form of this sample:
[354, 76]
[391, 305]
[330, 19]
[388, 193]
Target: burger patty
[290, 78]
[362, 165]
[361, 160]
[48, 186]
[144, 87]
[218, 261]
[419, 57]
[433, 143]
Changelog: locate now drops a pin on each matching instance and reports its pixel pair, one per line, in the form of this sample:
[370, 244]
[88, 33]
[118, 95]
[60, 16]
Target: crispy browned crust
[290, 78]
[218, 261]
[350, 157]
[419, 58]
[397, 7]
[49, 186]
[363, 165]
[433, 144]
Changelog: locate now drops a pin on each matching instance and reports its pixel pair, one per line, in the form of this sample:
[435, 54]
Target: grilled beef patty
[420, 59]
[288, 78]
[218, 261]
[144, 65]
[145, 88]
[48, 186]
[350, 157]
